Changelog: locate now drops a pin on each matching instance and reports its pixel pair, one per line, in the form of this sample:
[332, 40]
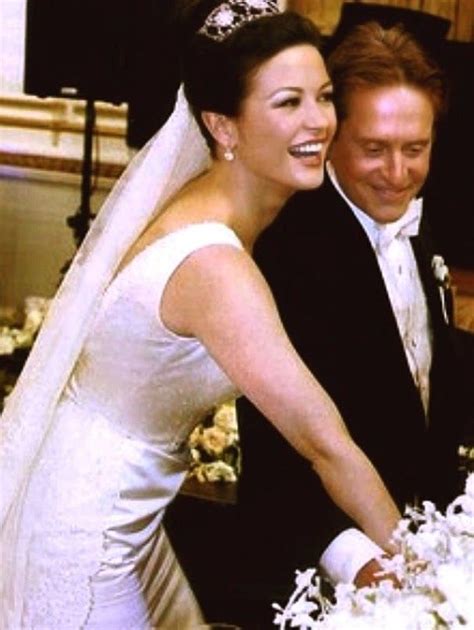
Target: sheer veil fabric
[176, 154]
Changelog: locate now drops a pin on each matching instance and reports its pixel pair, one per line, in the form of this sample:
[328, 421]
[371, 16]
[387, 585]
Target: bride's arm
[219, 296]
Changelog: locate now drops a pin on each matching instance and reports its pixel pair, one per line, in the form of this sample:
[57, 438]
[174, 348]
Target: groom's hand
[372, 573]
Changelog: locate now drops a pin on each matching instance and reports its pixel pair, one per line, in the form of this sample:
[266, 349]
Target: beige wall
[326, 13]
[35, 241]
[41, 150]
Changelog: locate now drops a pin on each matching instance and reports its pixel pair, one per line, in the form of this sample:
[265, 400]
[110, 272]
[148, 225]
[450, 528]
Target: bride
[162, 315]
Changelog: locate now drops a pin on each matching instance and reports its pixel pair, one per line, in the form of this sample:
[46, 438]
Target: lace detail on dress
[68, 548]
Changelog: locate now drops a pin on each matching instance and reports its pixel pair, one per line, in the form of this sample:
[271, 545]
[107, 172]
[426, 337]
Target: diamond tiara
[232, 14]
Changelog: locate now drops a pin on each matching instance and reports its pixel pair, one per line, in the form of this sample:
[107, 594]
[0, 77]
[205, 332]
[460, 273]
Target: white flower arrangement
[15, 337]
[435, 567]
[214, 446]
[16, 340]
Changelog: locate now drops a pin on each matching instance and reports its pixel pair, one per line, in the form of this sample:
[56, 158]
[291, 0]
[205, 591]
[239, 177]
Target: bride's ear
[221, 128]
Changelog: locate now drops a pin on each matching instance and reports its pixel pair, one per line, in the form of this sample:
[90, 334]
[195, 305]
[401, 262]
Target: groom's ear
[221, 128]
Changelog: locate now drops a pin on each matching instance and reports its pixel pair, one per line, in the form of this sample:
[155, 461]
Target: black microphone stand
[81, 220]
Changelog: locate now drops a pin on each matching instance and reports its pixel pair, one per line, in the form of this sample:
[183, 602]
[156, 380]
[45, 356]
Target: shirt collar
[372, 228]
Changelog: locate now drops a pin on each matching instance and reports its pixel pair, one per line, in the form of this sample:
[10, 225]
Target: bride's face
[287, 120]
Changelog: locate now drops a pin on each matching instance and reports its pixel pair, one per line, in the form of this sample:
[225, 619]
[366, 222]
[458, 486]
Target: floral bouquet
[214, 446]
[16, 340]
[20, 337]
[435, 567]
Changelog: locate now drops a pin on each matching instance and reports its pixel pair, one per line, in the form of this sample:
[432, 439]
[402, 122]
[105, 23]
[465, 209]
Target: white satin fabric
[94, 552]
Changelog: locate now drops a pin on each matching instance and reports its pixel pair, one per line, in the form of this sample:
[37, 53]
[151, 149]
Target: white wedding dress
[97, 555]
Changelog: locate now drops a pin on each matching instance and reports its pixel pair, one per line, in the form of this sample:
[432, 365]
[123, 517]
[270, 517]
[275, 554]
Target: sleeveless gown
[97, 555]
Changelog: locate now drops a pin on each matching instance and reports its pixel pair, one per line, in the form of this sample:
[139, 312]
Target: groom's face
[381, 152]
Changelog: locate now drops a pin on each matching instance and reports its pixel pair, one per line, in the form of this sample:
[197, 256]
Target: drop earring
[229, 155]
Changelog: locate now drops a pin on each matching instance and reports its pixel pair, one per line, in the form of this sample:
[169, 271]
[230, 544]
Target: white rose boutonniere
[441, 271]
[443, 279]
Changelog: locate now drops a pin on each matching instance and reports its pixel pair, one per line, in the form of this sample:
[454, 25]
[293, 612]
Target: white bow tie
[408, 225]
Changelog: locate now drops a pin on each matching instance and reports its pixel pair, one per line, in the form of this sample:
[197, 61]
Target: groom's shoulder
[305, 211]
[307, 199]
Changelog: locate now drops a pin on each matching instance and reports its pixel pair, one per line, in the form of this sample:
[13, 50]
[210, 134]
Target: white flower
[12, 337]
[23, 338]
[226, 418]
[194, 440]
[7, 343]
[466, 452]
[214, 440]
[33, 320]
[304, 579]
[441, 271]
[214, 471]
[456, 583]
[196, 455]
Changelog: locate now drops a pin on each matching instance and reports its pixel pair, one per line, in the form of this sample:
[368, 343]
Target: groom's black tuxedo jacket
[333, 302]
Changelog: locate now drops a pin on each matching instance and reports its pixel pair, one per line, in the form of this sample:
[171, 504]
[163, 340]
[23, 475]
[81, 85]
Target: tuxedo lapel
[361, 279]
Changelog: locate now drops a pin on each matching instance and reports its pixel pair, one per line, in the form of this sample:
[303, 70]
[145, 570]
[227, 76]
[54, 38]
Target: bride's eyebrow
[327, 85]
[288, 88]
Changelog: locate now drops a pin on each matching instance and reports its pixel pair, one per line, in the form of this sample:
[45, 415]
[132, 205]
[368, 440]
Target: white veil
[172, 157]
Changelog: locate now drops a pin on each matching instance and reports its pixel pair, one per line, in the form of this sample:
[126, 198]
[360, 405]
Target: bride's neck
[247, 202]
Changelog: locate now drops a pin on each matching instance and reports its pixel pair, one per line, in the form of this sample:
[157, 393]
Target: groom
[350, 265]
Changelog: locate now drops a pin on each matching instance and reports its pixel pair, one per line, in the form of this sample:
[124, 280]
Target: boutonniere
[443, 280]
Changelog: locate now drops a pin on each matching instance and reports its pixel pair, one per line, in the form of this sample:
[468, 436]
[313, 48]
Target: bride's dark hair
[216, 74]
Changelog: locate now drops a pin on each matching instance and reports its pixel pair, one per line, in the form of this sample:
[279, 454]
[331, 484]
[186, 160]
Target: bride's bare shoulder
[188, 206]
